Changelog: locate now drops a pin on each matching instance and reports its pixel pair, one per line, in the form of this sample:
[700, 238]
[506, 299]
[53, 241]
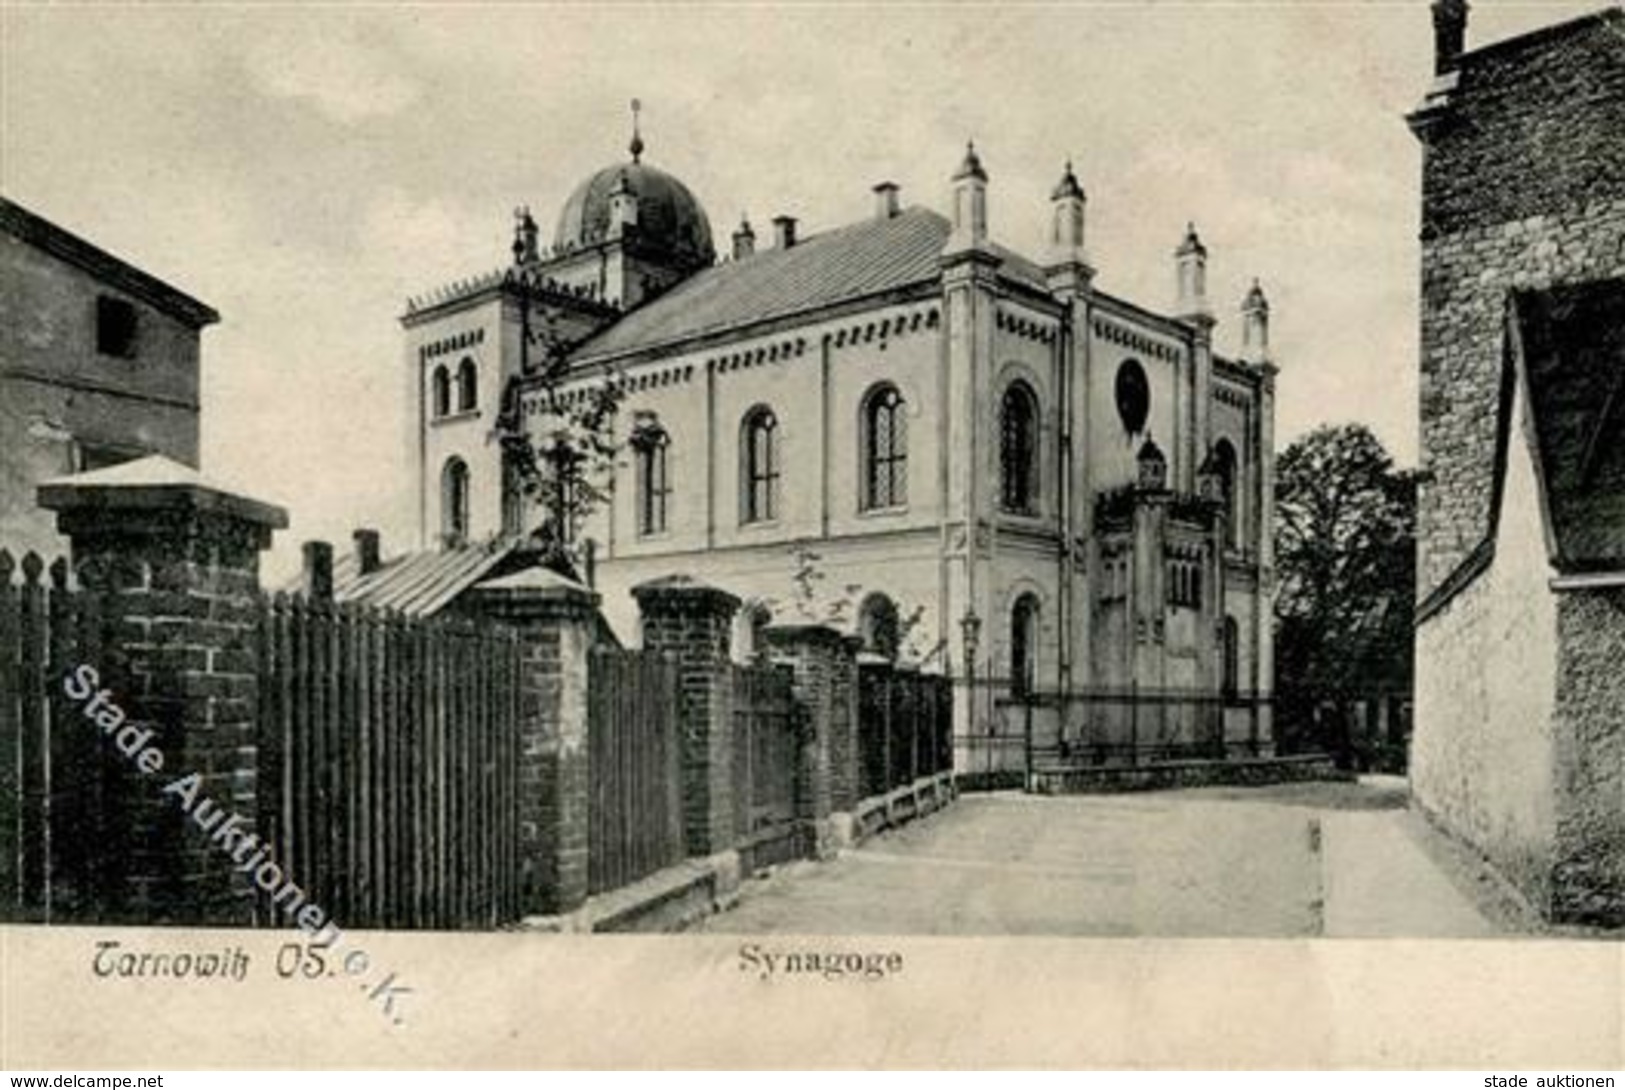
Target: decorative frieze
[1132, 339]
[1026, 327]
[457, 342]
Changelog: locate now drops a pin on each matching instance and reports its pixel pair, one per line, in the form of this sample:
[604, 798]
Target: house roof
[416, 584]
[1571, 340]
[852, 262]
[37, 231]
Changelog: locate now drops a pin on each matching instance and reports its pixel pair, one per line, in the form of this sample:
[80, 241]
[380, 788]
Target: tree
[565, 461]
[1345, 553]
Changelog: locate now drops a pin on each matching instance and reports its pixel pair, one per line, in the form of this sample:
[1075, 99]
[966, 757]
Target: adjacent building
[98, 365]
[969, 458]
[1519, 744]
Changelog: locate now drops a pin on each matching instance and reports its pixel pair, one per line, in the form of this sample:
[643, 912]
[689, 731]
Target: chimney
[1449, 34]
[318, 571]
[744, 240]
[368, 550]
[784, 230]
[885, 200]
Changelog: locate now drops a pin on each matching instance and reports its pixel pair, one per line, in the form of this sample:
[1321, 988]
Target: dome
[671, 222]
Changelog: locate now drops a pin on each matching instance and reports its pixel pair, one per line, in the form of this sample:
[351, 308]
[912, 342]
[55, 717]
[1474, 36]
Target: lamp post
[970, 633]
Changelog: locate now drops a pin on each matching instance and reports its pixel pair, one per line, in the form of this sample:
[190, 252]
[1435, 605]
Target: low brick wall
[1106, 779]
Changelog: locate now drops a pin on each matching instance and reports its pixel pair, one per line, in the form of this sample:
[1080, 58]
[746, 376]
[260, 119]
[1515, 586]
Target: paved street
[1295, 860]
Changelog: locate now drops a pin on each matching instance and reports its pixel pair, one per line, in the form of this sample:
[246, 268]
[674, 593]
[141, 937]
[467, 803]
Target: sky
[303, 169]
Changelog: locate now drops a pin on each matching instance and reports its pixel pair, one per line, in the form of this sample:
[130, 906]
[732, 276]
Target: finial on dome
[1255, 299]
[1068, 186]
[637, 136]
[1192, 243]
[971, 167]
[524, 237]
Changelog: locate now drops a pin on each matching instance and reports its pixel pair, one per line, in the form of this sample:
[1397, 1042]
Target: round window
[1133, 396]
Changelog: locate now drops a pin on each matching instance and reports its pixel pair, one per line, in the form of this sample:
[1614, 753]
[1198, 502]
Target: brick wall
[1523, 186]
[1482, 751]
[1588, 879]
[556, 620]
[179, 566]
[693, 622]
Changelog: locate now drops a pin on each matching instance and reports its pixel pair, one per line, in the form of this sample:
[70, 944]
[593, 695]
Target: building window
[441, 393]
[885, 449]
[1024, 645]
[454, 502]
[513, 496]
[1018, 449]
[1224, 456]
[1229, 659]
[115, 327]
[1185, 583]
[1114, 578]
[760, 465]
[468, 386]
[652, 449]
[1133, 396]
[879, 627]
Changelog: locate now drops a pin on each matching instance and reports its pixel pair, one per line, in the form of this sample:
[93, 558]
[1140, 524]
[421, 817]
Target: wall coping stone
[686, 593]
[155, 485]
[804, 632]
[534, 594]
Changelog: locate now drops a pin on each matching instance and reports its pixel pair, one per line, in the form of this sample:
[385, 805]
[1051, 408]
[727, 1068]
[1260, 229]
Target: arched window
[1224, 455]
[885, 449]
[1229, 659]
[653, 447]
[1018, 449]
[759, 469]
[513, 496]
[1024, 644]
[441, 394]
[1133, 391]
[1185, 583]
[468, 386]
[878, 626]
[454, 502]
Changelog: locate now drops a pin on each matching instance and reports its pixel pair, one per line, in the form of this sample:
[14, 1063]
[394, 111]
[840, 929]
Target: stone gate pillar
[693, 622]
[176, 562]
[556, 618]
[821, 658]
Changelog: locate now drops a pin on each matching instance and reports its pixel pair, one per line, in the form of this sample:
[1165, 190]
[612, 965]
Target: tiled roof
[416, 584]
[1573, 346]
[861, 259]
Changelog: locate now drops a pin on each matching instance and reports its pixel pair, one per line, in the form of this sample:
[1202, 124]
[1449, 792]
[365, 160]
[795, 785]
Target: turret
[1191, 259]
[1255, 326]
[525, 250]
[1153, 466]
[623, 207]
[1067, 205]
[744, 240]
[970, 202]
